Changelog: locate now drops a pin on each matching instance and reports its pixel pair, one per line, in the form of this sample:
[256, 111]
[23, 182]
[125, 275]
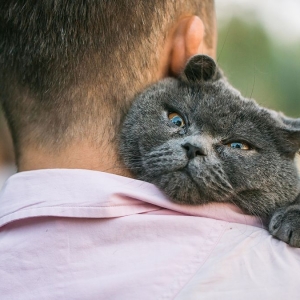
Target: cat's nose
[193, 151]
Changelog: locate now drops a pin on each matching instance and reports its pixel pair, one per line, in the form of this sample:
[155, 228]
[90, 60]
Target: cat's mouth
[210, 180]
[186, 171]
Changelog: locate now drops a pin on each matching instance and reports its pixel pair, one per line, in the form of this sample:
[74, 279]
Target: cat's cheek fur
[166, 158]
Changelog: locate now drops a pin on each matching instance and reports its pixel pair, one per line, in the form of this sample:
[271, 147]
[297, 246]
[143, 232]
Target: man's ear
[187, 41]
[200, 68]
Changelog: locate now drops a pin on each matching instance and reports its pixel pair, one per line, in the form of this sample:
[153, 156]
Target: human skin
[184, 39]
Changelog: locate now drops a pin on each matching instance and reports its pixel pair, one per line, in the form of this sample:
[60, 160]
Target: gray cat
[200, 141]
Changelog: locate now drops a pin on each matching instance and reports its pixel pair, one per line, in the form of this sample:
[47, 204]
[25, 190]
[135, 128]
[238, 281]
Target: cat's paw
[285, 225]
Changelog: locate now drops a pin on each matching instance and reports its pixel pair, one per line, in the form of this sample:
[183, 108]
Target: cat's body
[200, 141]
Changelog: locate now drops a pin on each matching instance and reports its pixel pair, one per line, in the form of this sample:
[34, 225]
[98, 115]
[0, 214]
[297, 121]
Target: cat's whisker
[219, 186]
[222, 179]
[222, 184]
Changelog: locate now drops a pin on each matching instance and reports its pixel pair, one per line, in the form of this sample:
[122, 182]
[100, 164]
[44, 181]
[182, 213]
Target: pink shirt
[79, 234]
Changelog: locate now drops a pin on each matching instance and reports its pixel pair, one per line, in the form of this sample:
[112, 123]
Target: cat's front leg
[285, 223]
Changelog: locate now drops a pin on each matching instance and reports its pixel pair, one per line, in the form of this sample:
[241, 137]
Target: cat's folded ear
[291, 122]
[289, 130]
[293, 126]
[200, 68]
[291, 141]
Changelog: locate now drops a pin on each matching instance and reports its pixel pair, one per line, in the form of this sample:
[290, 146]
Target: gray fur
[262, 181]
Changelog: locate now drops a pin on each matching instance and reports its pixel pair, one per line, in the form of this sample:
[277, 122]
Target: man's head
[68, 69]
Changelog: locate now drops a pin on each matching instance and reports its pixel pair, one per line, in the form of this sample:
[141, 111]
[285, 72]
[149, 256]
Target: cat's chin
[180, 188]
[194, 185]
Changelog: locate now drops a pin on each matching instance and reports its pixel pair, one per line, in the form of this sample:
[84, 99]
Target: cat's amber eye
[239, 145]
[176, 119]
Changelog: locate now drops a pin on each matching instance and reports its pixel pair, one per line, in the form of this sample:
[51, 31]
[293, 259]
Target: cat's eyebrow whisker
[252, 86]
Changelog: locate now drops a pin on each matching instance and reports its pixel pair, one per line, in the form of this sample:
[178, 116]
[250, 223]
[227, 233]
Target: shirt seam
[68, 206]
[205, 259]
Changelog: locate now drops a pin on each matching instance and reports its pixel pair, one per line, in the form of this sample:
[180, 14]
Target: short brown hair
[59, 59]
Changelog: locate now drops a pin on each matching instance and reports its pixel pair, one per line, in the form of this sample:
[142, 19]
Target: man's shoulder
[247, 261]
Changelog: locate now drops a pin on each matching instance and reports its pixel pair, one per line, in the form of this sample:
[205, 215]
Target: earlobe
[187, 42]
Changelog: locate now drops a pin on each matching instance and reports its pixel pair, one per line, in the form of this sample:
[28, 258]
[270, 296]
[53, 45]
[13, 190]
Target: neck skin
[76, 156]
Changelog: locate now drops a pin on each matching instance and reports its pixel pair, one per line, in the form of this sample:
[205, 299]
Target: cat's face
[203, 142]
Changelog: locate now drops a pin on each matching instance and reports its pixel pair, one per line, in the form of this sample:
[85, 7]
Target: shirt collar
[93, 194]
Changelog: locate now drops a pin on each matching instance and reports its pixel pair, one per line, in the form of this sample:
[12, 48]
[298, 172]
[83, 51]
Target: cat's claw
[285, 225]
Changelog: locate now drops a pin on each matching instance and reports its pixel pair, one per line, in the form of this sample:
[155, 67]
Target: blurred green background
[261, 65]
